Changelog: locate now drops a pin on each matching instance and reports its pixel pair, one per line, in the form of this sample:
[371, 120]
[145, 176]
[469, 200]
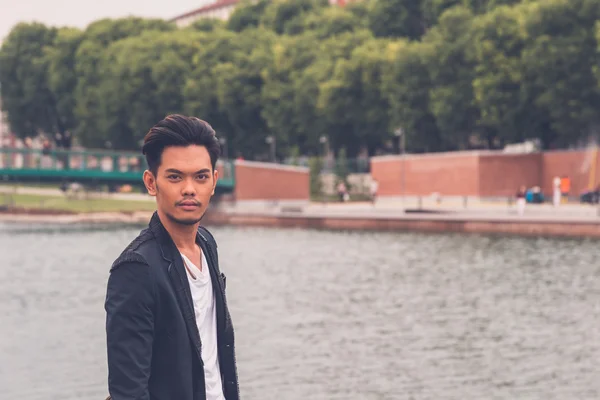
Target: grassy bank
[75, 205]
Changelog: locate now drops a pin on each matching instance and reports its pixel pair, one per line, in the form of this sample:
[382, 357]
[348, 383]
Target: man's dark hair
[182, 131]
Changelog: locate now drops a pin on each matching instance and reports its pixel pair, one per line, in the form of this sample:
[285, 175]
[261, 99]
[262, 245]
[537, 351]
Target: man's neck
[184, 236]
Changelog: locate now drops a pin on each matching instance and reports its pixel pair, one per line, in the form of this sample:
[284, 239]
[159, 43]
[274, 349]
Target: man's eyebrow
[176, 171]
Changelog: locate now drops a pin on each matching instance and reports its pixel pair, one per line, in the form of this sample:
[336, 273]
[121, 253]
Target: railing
[115, 166]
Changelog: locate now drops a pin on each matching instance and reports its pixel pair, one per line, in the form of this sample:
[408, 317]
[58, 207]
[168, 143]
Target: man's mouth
[188, 205]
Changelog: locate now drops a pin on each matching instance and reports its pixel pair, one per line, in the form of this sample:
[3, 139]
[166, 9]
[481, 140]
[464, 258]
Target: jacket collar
[165, 243]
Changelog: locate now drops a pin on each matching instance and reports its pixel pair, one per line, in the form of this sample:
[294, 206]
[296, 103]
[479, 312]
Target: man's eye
[173, 177]
[202, 177]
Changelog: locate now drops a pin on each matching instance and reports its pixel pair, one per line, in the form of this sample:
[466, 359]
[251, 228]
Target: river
[327, 315]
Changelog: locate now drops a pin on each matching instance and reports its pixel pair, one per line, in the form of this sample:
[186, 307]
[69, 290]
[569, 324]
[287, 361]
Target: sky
[79, 13]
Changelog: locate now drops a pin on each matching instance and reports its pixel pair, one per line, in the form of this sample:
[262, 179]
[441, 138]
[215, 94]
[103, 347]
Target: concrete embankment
[574, 222]
[419, 221]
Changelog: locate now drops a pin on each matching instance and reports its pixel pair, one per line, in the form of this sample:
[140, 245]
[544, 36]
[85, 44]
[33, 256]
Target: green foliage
[315, 165]
[342, 169]
[452, 74]
[248, 14]
[26, 97]
[396, 18]
[207, 25]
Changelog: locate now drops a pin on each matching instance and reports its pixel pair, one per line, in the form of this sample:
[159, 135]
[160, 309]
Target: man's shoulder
[134, 252]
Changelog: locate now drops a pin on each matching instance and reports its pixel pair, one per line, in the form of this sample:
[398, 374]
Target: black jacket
[153, 344]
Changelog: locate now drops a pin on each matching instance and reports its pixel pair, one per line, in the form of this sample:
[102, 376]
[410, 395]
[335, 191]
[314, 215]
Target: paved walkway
[410, 208]
[475, 211]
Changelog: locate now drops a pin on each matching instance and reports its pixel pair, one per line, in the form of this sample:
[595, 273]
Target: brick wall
[501, 175]
[485, 174]
[578, 165]
[264, 181]
[387, 171]
[451, 174]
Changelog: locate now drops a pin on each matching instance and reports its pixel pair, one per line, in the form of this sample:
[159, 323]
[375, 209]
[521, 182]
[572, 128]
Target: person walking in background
[556, 191]
[521, 200]
[565, 188]
[169, 334]
[342, 191]
[373, 188]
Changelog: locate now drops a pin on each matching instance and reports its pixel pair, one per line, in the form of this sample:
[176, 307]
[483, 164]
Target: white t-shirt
[206, 320]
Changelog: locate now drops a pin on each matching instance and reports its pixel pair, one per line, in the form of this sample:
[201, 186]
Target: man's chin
[187, 221]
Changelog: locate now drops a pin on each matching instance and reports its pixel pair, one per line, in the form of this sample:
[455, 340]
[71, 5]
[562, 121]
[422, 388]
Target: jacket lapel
[178, 278]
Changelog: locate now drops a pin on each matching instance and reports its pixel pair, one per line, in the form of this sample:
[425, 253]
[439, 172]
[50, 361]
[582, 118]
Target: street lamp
[399, 133]
[325, 142]
[271, 141]
[223, 143]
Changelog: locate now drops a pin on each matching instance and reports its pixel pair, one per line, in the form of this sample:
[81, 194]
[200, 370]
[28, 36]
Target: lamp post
[325, 142]
[400, 134]
[272, 142]
[223, 143]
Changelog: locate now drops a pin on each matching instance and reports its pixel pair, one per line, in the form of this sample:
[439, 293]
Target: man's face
[184, 183]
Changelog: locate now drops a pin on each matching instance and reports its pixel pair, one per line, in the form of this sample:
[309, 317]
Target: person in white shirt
[168, 329]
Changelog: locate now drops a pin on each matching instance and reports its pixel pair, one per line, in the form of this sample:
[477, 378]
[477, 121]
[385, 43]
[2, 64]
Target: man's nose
[188, 188]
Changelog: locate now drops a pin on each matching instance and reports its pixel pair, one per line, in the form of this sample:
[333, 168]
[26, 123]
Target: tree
[332, 21]
[557, 59]
[207, 25]
[407, 84]
[239, 84]
[341, 167]
[62, 79]
[353, 102]
[396, 18]
[288, 105]
[90, 55]
[483, 6]
[433, 9]
[142, 81]
[315, 165]
[26, 96]
[451, 71]
[246, 15]
[287, 16]
[498, 41]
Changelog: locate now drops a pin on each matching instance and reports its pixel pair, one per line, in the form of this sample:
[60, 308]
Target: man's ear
[215, 179]
[150, 182]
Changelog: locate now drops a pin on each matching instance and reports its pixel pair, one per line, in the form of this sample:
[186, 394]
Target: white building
[220, 9]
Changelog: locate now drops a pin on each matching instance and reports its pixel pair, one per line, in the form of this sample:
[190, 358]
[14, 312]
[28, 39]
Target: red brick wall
[578, 165]
[264, 181]
[388, 172]
[450, 174]
[503, 174]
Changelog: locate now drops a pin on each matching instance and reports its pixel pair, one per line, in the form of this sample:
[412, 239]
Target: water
[323, 315]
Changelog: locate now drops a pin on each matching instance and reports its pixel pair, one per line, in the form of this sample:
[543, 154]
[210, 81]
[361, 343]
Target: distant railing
[85, 164]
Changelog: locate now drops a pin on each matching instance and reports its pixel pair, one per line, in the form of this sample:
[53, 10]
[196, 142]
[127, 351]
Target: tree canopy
[451, 74]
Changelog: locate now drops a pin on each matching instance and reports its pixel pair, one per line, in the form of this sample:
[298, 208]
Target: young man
[169, 332]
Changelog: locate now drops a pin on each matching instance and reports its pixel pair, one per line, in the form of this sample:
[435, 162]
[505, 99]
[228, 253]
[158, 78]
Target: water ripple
[324, 315]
